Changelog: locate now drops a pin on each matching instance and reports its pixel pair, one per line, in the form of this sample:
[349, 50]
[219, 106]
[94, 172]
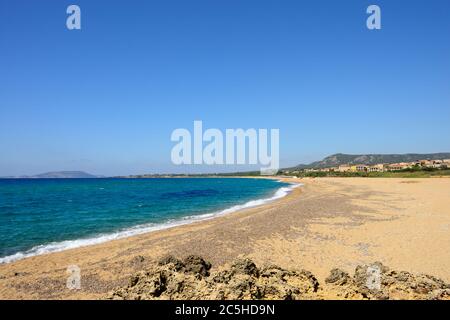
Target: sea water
[39, 216]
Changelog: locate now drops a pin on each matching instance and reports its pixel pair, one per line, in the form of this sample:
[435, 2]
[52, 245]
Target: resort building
[381, 167]
[426, 163]
[344, 168]
[437, 164]
[377, 168]
[399, 166]
[358, 168]
[361, 168]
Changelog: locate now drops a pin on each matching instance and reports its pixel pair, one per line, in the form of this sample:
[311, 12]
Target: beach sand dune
[328, 223]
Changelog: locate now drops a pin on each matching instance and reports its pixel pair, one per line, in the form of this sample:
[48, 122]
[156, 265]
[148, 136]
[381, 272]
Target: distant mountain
[59, 175]
[370, 159]
[65, 174]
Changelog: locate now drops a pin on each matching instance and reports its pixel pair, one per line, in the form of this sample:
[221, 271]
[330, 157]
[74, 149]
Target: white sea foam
[140, 229]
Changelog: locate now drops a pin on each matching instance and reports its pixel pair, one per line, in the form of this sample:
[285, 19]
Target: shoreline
[60, 246]
[327, 223]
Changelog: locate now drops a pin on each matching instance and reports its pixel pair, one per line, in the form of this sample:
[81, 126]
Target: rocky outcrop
[190, 279]
[376, 281]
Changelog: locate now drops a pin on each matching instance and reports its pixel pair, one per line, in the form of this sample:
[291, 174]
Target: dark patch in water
[189, 194]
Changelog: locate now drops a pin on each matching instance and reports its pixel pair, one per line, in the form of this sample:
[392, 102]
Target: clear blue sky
[105, 99]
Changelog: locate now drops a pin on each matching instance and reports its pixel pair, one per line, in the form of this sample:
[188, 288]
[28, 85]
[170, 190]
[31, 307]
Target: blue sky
[106, 98]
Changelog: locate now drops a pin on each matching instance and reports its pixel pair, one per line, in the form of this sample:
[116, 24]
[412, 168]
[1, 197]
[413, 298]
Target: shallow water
[46, 215]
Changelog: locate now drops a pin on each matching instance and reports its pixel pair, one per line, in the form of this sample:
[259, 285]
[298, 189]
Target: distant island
[57, 175]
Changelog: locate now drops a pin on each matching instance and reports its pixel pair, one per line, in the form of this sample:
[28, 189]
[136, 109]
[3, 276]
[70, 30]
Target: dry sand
[329, 222]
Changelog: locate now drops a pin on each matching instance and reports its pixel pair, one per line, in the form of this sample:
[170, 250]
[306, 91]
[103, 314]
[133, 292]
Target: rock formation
[190, 279]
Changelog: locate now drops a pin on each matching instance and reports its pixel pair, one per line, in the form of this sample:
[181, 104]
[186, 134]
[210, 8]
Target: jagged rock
[278, 283]
[369, 279]
[245, 266]
[240, 287]
[338, 277]
[376, 281]
[172, 278]
[196, 265]
[222, 277]
[133, 281]
[426, 284]
[178, 264]
[440, 294]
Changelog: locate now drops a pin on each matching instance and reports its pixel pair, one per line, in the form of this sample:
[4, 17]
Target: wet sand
[327, 223]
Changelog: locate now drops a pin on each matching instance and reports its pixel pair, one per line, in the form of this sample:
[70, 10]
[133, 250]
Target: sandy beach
[327, 223]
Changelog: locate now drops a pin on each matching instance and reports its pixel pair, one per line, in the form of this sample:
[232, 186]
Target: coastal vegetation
[412, 165]
[405, 173]
[338, 159]
[375, 165]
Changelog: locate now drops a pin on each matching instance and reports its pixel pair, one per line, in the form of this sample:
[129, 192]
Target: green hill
[370, 159]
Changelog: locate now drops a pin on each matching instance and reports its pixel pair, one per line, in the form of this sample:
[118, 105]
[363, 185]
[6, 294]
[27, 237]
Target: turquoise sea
[39, 216]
